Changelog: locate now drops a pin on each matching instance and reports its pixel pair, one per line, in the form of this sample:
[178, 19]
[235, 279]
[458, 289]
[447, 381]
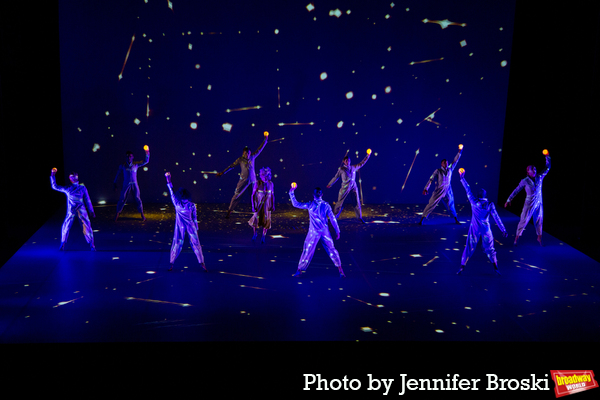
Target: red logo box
[572, 381]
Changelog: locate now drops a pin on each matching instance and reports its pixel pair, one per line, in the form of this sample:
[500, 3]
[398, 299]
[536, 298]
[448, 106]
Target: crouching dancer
[77, 200]
[185, 221]
[318, 211]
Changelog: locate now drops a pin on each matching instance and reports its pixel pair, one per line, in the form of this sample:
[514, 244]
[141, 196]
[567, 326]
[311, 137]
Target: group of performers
[319, 211]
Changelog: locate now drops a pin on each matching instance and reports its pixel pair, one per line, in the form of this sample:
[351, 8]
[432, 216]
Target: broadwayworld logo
[570, 382]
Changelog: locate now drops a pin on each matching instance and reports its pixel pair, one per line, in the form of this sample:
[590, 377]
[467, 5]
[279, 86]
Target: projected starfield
[197, 81]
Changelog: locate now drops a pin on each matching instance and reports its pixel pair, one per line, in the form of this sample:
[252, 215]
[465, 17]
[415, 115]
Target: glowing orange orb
[368, 151]
[460, 146]
[294, 186]
[462, 170]
[266, 133]
[146, 148]
[545, 152]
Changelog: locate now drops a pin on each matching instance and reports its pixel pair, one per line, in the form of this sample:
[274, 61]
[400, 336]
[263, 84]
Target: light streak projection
[430, 117]
[430, 261]
[242, 109]
[159, 301]
[410, 169]
[425, 61]
[126, 57]
[245, 276]
[62, 303]
[529, 265]
[443, 23]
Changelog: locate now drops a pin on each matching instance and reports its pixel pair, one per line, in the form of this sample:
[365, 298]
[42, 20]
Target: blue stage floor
[401, 283]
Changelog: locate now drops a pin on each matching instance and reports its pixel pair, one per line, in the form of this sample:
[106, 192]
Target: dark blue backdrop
[192, 63]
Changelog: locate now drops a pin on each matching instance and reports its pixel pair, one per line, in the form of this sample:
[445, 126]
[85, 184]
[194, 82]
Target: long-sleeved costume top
[247, 164]
[481, 209]
[185, 221]
[444, 176]
[185, 211]
[348, 175]
[533, 187]
[533, 206]
[77, 200]
[77, 195]
[129, 171]
[318, 211]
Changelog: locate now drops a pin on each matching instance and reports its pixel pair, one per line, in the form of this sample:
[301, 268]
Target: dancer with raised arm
[262, 203]
[77, 200]
[247, 174]
[318, 211]
[130, 184]
[185, 221]
[348, 174]
[533, 206]
[443, 191]
[481, 209]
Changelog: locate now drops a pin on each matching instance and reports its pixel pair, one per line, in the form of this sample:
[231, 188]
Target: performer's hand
[506, 204]
[219, 174]
[338, 236]
[504, 234]
[424, 191]
[328, 187]
[53, 171]
[93, 214]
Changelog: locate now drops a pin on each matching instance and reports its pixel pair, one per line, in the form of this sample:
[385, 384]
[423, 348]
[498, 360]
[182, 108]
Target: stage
[401, 282]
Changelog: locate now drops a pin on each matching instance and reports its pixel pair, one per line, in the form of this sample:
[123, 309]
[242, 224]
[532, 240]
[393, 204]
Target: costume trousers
[310, 244]
[447, 199]
[529, 212]
[127, 190]
[339, 205]
[487, 240]
[81, 212]
[239, 191]
[178, 238]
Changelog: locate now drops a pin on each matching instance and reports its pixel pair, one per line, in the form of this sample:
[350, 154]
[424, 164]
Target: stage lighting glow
[227, 127]
[340, 124]
[323, 76]
[193, 125]
[349, 95]
[310, 7]
[388, 89]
